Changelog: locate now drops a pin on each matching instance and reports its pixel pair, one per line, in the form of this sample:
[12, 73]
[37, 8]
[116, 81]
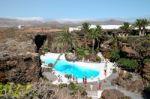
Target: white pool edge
[95, 66]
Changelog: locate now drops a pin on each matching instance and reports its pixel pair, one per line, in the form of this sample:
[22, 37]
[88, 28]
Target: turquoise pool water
[65, 67]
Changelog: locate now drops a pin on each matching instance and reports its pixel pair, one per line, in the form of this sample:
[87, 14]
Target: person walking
[99, 84]
[85, 81]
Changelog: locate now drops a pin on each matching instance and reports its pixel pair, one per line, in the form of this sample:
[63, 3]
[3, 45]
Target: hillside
[10, 22]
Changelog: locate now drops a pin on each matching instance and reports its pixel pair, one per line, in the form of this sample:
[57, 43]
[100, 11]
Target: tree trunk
[98, 44]
[140, 32]
[93, 43]
[143, 32]
[85, 42]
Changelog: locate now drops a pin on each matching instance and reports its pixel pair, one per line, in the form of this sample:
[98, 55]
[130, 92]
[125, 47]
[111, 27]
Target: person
[65, 74]
[106, 64]
[85, 81]
[105, 72]
[59, 80]
[73, 78]
[99, 86]
[98, 80]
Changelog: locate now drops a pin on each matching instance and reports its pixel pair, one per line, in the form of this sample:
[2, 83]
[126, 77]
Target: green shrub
[98, 59]
[62, 85]
[128, 64]
[114, 70]
[114, 54]
[46, 49]
[107, 55]
[129, 76]
[14, 90]
[82, 52]
[146, 43]
[83, 92]
[75, 88]
[146, 60]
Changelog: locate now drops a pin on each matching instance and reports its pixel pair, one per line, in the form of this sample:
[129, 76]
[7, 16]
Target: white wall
[105, 27]
[71, 29]
[110, 27]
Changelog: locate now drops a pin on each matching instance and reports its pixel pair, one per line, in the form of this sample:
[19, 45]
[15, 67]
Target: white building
[148, 27]
[110, 27]
[105, 27]
[20, 26]
[78, 28]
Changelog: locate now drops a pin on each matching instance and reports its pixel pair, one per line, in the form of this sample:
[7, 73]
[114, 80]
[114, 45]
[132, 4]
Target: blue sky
[75, 9]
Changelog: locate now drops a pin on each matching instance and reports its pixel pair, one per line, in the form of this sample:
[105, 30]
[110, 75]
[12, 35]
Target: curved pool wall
[71, 68]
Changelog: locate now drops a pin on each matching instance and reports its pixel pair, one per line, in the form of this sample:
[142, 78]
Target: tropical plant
[114, 54]
[145, 23]
[66, 40]
[146, 60]
[62, 85]
[98, 59]
[128, 64]
[138, 24]
[85, 29]
[75, 88]
[94, 34]
[14, 90]
[82, 52]
[141, 24]
[125, 27]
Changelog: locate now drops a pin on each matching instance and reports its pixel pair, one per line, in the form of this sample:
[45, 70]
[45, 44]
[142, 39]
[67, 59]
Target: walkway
[107, 85]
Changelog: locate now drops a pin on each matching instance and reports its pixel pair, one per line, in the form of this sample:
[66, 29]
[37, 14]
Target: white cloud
[73, 20]
[27, 18]
[30, 18]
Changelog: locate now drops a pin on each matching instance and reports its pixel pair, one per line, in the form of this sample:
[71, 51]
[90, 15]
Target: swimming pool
[71, 68]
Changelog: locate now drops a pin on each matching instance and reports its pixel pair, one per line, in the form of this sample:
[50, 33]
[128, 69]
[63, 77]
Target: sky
[75, 9]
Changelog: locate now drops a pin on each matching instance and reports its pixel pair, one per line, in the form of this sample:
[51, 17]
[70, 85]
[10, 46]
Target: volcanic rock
[130, 51]
[70, 57]
[113, 94]
[132, 83]
[18, 61]
[146, 71]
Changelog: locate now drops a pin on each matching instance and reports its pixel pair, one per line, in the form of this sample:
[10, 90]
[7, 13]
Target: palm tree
[99, 32]
[66, 39]
[85, 29]
[126, 27]
[145, 23]
[94, 34]
[141, 24]
[138, 24]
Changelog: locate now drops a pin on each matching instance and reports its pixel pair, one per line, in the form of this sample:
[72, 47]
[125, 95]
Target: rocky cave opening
[39, 40]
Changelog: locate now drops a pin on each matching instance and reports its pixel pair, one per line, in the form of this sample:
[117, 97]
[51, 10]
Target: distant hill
[108, 22]
[9, 22]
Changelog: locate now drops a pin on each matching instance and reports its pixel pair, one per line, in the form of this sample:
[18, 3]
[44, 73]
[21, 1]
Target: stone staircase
[92, 94]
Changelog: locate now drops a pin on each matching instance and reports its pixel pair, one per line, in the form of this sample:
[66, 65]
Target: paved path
[107, 85]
